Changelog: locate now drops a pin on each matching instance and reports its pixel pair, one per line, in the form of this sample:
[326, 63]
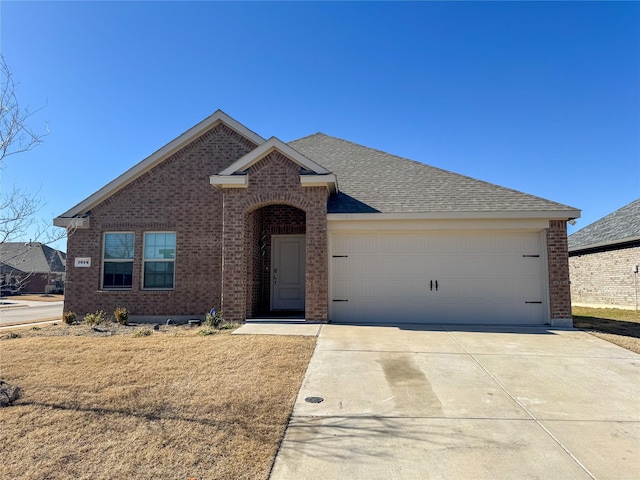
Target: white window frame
[164, 260]
[116, 260]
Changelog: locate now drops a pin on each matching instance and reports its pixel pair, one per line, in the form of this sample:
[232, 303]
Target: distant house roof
[621, 226]
[31, 257]
[372, 181]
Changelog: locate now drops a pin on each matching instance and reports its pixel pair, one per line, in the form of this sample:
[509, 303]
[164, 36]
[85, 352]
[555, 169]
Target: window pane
[158, 275]
[118, 275]
[118, 245]
[159, 245]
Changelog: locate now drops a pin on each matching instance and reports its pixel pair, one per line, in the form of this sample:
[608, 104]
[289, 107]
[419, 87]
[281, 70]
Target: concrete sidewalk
[275, 327]
[441, 402]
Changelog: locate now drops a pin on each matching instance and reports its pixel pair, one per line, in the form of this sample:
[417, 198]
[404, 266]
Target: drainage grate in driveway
[314, 399]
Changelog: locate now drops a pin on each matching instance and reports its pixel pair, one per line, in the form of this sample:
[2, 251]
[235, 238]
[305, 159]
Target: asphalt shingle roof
[32, 257]
[619, 226]
[370, 180]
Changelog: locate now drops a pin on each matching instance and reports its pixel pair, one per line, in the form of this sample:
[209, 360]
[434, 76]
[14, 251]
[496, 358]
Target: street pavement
[19, 312]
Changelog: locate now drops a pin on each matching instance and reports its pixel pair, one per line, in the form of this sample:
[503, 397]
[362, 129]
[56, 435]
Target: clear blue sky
[542, 97]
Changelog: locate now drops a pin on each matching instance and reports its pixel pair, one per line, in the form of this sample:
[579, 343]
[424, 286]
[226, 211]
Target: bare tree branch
[15, 135]
[18, 208]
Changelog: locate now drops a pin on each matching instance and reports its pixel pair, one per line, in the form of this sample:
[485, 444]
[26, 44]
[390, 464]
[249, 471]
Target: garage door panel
[401, 287]
[481, 278]
[422, 312]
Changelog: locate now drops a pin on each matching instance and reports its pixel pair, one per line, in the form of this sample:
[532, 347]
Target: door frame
[303, 267]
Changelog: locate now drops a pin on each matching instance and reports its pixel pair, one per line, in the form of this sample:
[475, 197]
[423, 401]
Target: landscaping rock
[8, 394]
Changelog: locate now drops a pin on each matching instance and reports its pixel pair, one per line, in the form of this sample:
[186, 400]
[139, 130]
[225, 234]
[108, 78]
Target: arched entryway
[275, 246]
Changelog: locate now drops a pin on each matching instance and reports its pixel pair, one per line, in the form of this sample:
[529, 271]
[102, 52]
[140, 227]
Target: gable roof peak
[266, 148]
[156, 158]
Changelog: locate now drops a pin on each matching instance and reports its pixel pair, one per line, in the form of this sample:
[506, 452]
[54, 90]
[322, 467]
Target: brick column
[233, 261]
[559, 284]
[317, 279]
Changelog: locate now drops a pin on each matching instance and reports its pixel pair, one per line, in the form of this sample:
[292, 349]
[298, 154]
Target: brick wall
[173, 196]
[273, 181]
[559, 285]
[605, 278]
[37, 282]
[255, 246]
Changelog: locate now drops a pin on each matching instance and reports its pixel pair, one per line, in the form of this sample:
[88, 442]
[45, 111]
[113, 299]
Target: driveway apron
[448, 402]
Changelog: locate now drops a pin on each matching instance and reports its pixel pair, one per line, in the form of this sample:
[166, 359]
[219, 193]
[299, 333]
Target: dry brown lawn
[172, 405]
[621, 327]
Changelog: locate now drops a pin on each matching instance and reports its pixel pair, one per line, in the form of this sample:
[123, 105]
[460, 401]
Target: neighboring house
[221, 217]
[604, 259]
[31, 267]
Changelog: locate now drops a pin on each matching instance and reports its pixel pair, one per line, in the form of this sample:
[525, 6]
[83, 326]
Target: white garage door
[456, 277]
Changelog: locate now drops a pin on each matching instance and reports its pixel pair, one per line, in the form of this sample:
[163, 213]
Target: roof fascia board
[522, 224]
[603, 244]
[229, 181]
[241, 181]
[266, 148]
[154, 159]
[328, 180]
[72, 222]
[545, 215]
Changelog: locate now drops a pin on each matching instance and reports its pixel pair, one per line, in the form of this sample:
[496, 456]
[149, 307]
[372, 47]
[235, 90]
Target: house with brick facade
[604, 259]
[319, 228]
[31, 267]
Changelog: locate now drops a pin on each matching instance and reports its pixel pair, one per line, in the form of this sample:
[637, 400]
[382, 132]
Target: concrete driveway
[441, 402]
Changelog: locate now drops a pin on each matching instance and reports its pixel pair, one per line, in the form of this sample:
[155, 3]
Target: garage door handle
[431, 285]
[340, 300]
[436, 285]
[532, 302]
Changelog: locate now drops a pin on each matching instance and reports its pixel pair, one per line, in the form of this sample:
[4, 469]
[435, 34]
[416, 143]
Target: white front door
[288, 261]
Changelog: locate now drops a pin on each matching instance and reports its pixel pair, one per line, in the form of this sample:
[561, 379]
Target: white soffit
[72, 222]
[169, 149]
[229, 181]
[242, 181]
[475, 215]
[329, 180]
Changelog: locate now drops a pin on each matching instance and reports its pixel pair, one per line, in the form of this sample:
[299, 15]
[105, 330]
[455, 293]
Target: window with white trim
[117, 261]
[159, 260]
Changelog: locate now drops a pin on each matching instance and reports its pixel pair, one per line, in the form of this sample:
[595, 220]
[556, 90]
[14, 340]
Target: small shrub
[36, 328]
[122, 315]
[14, 335]
[143, 332]
[69, 317]
[95, 318]
[206, 331]
[213, 319]
[229, 326]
